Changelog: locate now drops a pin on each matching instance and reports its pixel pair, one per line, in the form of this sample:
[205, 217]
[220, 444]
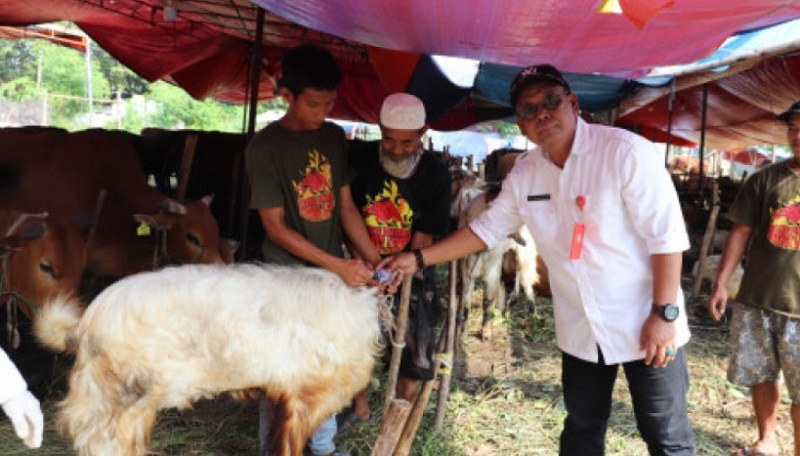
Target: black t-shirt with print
[395, 208]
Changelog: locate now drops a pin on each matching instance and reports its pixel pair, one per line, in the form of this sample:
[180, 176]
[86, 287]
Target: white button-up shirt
[11, 382]
[630, 212]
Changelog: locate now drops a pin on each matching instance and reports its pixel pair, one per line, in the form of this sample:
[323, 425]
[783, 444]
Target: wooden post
[391, 427]
[398, 342]
[464, 298]
[447, 370]
[406, 439]
[707, 238]
[186, 165]
[98, 210]
[444, 356]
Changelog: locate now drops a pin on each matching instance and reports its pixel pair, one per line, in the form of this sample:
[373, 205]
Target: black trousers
[659, 405]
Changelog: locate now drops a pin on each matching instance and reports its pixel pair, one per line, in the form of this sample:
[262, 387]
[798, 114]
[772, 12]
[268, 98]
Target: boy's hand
[355, 272]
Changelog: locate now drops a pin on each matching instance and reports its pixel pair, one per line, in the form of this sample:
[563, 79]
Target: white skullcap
[403, 111]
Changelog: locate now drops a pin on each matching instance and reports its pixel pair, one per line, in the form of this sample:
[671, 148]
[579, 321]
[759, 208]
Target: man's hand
[658, 337]
[718, 301]
[399, 265]
[26, 416]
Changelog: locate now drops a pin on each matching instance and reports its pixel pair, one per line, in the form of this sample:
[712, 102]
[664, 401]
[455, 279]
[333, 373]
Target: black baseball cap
[533, 74]
[793, 109]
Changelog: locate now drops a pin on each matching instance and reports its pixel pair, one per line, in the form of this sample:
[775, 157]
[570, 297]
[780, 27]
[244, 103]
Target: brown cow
[43, 257]
[216, 168]
[69, 172]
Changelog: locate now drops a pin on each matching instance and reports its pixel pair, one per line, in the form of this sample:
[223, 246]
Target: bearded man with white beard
[403, 194]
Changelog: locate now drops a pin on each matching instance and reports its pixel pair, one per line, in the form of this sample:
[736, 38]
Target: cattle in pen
[91, 172]
[43, 256]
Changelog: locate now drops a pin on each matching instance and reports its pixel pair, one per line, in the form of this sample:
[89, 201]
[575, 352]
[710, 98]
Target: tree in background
[64, 73]
[121, 79]
[175, 109]
[19, 60]
[36, 69]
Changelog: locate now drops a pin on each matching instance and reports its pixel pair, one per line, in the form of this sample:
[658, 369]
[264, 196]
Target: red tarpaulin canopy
[570, 34]
[379, 42]
[749, 156]
[742, 104]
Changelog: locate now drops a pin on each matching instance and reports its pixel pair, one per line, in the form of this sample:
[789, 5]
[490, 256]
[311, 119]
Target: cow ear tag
[143, 229]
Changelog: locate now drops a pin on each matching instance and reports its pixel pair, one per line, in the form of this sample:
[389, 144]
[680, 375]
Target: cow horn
[171, 206]
[34, 231]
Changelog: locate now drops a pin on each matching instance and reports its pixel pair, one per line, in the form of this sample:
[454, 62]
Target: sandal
[748, 452]
[350, 420]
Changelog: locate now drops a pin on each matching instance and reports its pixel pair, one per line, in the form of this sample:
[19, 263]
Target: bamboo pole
[444, 356]
[398, 342]
[446, 370]
[98, 210]
[403, 444]
[391, 427]
[707, 238]
[186, 165]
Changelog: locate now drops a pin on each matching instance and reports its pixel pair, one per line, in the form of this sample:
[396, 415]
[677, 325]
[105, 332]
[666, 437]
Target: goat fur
[487, 265]
[168, 338]
[710, 270]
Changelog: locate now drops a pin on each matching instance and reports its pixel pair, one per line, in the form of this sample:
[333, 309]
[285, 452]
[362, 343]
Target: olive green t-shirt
[769, 202]
[303, 172]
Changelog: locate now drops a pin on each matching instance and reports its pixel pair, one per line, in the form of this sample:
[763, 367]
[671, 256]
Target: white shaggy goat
[165, 339]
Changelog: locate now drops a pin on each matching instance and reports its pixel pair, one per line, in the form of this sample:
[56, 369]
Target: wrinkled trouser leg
[587, 397]
[659, 404]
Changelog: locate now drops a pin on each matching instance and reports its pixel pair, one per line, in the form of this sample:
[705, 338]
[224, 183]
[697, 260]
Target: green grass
[505, 400]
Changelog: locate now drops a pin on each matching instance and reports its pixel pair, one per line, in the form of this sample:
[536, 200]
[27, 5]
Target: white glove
[26, 416]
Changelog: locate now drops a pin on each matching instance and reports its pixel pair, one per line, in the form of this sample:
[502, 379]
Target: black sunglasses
[549, 103]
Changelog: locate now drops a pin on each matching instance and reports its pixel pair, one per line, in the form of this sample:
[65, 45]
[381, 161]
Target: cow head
[43, 257]
[191, 233]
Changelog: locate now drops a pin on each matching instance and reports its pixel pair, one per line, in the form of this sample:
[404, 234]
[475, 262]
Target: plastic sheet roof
[571, 34]
[383, 45]
[747, 82]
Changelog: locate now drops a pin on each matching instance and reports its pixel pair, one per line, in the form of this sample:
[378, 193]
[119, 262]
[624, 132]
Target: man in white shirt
[605, 216]
[19, 404]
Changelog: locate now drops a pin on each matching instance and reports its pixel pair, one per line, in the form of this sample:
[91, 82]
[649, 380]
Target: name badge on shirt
[578, 231]
[577, 241]
[542, 197]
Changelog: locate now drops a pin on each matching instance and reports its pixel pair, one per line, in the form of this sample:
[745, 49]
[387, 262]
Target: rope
[12, 308]
[386, 312]
[12, 325]
[12, 304]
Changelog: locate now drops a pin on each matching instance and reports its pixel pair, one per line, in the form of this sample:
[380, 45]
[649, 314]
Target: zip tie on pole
[446, 360]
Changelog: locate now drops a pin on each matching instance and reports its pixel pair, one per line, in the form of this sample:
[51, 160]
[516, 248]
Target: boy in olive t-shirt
[300, 186]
